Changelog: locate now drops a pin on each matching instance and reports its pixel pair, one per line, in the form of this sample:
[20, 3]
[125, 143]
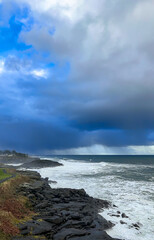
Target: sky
[77, 77]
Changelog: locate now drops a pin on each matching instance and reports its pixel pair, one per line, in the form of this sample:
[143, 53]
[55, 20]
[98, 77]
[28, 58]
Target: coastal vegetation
[4, 174]
[13, 153]
[14, 208]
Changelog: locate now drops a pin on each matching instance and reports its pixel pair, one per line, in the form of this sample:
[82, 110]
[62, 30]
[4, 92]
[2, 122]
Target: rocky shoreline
[25, 161]
[61, 214]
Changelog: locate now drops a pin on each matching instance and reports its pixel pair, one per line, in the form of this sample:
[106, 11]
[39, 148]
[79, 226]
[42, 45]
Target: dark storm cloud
[84, 77]
[127, 106]
[34, 136]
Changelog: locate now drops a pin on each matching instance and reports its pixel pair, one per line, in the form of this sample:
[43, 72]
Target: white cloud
[15, 65]
[40, 73]
[96, 30]
[63, 8]
[1, 66]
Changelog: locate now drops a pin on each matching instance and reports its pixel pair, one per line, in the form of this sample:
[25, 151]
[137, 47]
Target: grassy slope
[3, 175]
[13, 207]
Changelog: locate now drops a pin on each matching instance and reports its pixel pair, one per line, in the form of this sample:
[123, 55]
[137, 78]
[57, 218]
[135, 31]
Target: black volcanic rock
[40, 164]
[63, 213]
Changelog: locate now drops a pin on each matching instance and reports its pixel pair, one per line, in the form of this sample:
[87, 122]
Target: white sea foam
[106, 181]
[14, 164]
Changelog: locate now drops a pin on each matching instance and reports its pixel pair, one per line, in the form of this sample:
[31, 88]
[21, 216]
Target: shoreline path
[7, 178]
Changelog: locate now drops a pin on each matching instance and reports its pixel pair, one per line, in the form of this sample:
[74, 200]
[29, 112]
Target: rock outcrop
[40, 164]
[62, 213]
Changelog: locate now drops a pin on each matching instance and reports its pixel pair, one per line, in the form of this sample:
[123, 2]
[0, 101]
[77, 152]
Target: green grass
[3, 175]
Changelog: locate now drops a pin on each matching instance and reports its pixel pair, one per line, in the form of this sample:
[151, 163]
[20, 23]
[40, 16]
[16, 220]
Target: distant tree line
[13, 152]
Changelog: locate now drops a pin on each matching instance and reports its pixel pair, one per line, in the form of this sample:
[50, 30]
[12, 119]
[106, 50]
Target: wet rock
[40, 164]
[114, 215]
[37, 185]
[35, 227]
[64, 213]
[31, 196]
[76, 216]
[32, 174]
[40, 196]
[43, 204]
[135, 225]
[53, 182]
[122, 222]
[123, 215]
[56, 220]
[25, 232]
[69, 232]
[94, 235]
[114, 206]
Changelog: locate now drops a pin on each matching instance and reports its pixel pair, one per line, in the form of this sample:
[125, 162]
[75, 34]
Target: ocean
[126, 181]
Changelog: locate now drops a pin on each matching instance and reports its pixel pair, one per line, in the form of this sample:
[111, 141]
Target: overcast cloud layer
[76, 74]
